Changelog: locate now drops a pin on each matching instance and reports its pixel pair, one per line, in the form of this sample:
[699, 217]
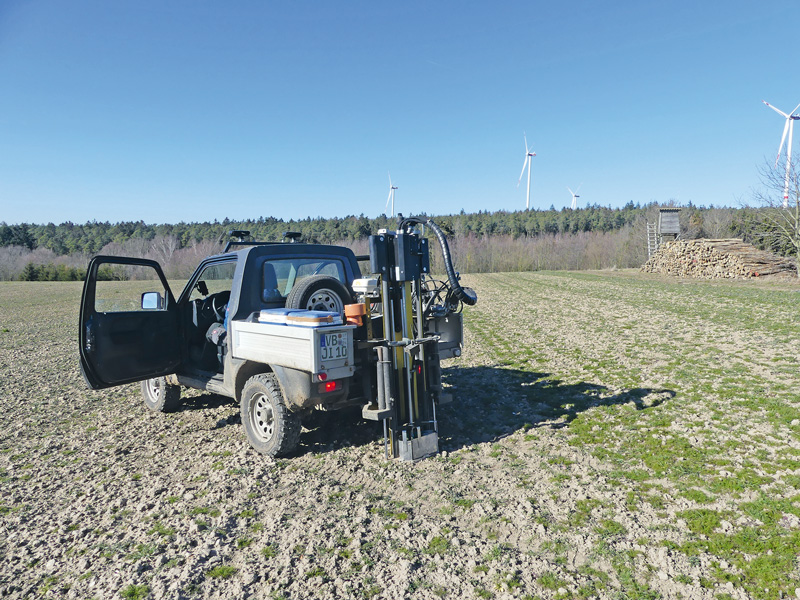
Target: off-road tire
[319, 292]
[161, 396]
[271, 428]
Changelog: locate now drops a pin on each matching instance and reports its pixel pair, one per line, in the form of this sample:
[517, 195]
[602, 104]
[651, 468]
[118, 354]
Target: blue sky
[191, 110]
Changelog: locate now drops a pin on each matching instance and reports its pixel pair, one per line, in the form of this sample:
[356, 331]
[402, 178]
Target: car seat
[270, 291]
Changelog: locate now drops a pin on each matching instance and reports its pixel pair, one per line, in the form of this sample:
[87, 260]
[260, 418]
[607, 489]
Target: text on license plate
[333, 345]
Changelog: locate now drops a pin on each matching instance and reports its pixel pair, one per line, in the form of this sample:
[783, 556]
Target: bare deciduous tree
[12, 259]
[775, 223]
[163, 247]
[717, 222]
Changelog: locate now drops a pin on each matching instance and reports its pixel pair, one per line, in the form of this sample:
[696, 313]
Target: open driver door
[129, 328]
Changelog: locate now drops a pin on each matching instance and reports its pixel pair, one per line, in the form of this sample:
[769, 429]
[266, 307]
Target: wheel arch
[245, 371]
[295, 385]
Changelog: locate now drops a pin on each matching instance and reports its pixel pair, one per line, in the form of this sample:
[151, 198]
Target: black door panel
[126, 345]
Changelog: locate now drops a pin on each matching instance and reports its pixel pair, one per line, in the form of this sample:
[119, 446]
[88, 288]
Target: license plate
[333, 345]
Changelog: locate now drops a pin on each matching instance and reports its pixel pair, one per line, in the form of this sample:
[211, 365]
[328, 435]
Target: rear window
[281, 275]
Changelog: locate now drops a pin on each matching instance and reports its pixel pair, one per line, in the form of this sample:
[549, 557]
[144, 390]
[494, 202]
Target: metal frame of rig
[416, 312]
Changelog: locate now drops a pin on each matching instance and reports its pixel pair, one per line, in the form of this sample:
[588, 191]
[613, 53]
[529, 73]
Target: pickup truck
[262, 323]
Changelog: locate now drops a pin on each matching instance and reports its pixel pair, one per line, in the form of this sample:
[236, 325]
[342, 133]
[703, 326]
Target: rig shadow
[328, 430]
[492, 402]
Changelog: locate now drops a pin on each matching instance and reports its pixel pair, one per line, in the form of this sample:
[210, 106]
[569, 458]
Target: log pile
[712, 259]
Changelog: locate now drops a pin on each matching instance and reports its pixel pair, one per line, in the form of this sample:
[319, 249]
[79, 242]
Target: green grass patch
[222, 572]
[438, 545]
[135, 592]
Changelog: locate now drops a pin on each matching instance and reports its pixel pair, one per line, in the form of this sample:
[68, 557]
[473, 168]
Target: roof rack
[294, 236]
[241, 234]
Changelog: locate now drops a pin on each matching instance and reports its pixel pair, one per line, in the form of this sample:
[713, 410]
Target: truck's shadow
[206, 400]
[494, 402]
[489, 403]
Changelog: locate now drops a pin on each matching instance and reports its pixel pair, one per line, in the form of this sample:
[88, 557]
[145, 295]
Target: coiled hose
[465, 295]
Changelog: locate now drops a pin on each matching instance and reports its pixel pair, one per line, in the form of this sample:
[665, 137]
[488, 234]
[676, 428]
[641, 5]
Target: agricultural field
[614, 435]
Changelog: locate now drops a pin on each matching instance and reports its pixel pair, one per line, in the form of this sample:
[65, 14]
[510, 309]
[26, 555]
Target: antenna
[787, 128]
[527, 163]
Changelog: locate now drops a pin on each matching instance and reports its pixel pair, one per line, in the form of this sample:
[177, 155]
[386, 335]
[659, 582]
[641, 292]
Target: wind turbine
[574, 197]
[790, 119]
[527, 162]
[392, 188]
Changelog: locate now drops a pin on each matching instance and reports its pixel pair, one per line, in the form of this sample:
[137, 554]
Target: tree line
[91, 237]
[499, 240]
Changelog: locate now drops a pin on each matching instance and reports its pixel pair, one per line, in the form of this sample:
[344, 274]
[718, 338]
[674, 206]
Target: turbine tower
[527, 162]
[392, 188]
[574, 197]
[790, 119]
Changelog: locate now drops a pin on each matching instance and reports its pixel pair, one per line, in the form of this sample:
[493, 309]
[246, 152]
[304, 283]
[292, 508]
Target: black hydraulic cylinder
[386, 364]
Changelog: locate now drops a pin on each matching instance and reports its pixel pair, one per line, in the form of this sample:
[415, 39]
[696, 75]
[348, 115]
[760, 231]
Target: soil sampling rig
[286, 328]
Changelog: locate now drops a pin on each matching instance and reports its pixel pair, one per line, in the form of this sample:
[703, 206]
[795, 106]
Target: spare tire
[319, 292]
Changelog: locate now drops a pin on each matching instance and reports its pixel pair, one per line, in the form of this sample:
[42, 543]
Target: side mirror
[201, 287]
[152, 301]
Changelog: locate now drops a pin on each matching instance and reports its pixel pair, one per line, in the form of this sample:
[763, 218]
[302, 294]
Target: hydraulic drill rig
[413, 321]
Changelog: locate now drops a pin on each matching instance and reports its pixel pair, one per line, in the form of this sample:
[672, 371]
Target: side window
[214, 279]
[121, 288]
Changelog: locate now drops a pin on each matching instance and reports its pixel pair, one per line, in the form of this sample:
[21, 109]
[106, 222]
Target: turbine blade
[385, 208]
[795, 110]
[524, 137]
[579, 188]
[570, 191]
[783, 139]
[780, 112]
[525, 162]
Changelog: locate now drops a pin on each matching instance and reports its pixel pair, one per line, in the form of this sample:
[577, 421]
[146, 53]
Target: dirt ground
[577, 398]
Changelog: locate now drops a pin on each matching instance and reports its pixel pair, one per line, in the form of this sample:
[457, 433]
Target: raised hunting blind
[667, 229]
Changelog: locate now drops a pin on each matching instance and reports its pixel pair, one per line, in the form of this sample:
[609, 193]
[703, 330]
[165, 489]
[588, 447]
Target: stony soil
[540, 491]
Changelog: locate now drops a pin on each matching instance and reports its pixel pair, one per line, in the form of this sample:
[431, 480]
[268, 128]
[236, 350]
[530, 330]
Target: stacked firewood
[712, 259]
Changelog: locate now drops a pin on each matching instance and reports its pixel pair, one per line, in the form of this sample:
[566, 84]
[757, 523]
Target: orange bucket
[354, 312]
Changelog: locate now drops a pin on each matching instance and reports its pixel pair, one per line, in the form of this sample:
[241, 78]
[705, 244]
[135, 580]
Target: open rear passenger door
[128, 322]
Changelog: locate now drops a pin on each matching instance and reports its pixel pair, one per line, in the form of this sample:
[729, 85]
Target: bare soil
[103, 499]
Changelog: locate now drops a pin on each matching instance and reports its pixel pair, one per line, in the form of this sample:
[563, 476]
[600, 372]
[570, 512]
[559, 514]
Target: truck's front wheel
[161, 396]
[270, 427]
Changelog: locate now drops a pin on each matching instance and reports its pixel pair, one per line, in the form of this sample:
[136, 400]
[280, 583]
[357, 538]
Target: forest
[593, 237]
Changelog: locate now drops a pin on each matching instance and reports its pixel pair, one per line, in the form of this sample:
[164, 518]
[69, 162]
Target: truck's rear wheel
[270, 427]
[319, 292]
[161, 396]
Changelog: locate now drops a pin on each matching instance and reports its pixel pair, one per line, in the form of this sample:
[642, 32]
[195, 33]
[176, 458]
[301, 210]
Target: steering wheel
[215, 305]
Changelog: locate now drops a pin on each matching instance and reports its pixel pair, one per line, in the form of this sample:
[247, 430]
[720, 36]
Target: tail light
[329, 386]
